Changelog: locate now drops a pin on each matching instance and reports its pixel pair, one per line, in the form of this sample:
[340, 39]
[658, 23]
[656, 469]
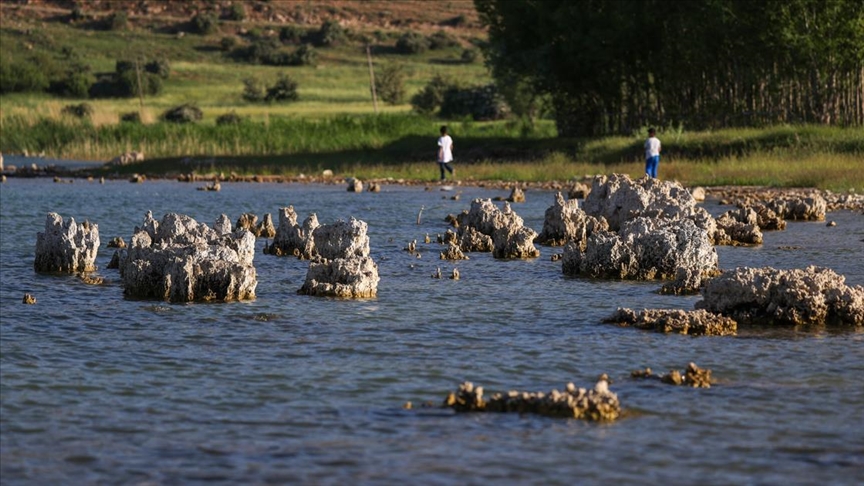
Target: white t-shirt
[446, 154]
[652, 147]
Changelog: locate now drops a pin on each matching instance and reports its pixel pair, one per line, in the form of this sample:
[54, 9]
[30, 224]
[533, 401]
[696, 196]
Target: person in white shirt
[445, 153]
[652, 153]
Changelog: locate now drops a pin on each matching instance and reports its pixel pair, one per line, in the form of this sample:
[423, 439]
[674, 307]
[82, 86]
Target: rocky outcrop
[598, 404]
[643, 249]
[470, 240]
[564, 222]
[812, 296]
[510, 237]
[65, 246]
[343, 267]
[453, 252]
[694, 323]
[354, 185]
[292, 238]
[687, 282]
[517, 195]
[578, 191]
[181, 260]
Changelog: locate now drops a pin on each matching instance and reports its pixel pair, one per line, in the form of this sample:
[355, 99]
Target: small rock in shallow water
[29, 299]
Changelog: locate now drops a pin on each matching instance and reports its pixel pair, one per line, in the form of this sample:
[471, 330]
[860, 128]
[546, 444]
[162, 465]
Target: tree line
[612, 66]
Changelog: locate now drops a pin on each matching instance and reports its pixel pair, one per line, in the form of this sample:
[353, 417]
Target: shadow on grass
[410, 149]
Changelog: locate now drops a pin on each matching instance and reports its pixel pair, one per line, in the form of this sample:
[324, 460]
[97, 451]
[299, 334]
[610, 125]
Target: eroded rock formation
[292, 238]
[564, 222]
[812, 296]
[343, 267]
[510, 237]
[693, 376]
[65, 246]
[181, 260]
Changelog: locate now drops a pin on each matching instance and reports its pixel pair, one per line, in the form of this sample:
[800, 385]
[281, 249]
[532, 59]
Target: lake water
[95, 388]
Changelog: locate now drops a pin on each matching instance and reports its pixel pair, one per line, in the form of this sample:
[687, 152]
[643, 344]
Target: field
[334, 125]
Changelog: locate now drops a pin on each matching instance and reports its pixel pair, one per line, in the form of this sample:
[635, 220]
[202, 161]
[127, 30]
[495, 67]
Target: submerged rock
[812, 296]
[598, 404]
[343, 267]
[564, 222]
[292, 238]
[694, 323]
[181, 260]
[693, 376]
[66, 246]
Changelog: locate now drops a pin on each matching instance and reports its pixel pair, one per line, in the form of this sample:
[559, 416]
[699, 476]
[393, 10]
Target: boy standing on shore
[652, 153]
[445, 153]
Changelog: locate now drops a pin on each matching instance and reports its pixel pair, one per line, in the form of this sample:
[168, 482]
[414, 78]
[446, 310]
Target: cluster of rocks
[484, 226]
[341, 266]
[797, 204]
[127, 158]
[693, 376]
[66, 247]
[812, 296]
[181, 260]
[598, 404]
[696, 322]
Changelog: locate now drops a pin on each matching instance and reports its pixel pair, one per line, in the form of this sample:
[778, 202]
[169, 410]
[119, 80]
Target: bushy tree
[390, 84]
[283, 90]
[236, 12]
[331, 34]
[21, 76]
[429, 99]
[291, 34]
[442, 40]
[185, 113]
[412, 43]
[205, 23]
[253, 90]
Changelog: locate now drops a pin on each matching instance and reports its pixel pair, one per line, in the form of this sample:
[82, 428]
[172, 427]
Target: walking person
[445, 153]
[652, 153]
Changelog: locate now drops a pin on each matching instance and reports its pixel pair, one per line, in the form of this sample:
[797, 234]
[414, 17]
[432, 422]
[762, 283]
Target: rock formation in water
[354, 185]
[738, 226]
[65, 246]
[453, 252]
[510, 237]
[564, 222]
[517, 195]
[693, 376]
[181, 260]
[343, 267]
[598, 404]
[643, 249]
[694, 323]
[292, 238]
[812, 296]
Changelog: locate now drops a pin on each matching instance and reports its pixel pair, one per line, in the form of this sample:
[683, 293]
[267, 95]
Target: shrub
[131, 117]
[122, 65]
[230, 118]
[478, 102]
[76, 84]
[76, 14]
[330, 34]
[429, 99]
[285, 89]
[205, 23]
[442, 40]
[253, 90]
[457, 21]
[470, 56]
[159, 67]
[22, 77]
[305, 55]
[261, 51]
[117, 21]
[390, 84]
[236, 12]
[291, 34]
[82, 110]
[186, 113]
[412, 43]
[228, 43]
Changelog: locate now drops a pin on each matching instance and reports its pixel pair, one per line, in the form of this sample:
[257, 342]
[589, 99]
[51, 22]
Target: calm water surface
[95, 388]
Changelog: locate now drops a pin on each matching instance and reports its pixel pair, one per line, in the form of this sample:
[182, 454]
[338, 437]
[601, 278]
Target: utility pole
[372, 78]
[140, 89]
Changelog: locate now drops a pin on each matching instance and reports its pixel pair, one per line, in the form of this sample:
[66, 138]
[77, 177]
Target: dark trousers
[445, 165]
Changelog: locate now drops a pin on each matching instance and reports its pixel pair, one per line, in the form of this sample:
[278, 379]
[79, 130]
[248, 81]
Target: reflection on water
[100, 389]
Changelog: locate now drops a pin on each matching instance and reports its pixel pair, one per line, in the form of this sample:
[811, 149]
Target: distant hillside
[458, 16]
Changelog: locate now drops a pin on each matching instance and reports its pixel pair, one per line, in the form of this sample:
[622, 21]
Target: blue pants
[651, 164]
[445, 165]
